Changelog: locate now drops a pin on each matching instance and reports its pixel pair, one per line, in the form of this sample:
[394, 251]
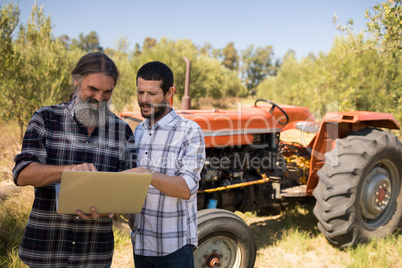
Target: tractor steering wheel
[272, 109]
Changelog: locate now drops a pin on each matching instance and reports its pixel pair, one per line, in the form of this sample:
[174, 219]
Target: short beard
[89, 115]
[159, 110]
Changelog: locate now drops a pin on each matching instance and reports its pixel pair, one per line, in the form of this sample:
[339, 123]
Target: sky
[303, 26]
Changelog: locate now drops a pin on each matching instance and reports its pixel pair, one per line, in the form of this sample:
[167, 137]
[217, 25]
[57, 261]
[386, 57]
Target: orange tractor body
[223, 128]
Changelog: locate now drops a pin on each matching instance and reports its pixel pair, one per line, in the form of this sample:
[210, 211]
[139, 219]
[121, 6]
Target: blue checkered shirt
[54, 137]
[174, 146]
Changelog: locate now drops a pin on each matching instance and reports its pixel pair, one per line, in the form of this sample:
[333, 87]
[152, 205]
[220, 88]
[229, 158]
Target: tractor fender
[371, 119]
[337, 125]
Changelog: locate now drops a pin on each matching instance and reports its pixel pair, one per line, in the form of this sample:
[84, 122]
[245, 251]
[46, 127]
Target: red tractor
[265, 154]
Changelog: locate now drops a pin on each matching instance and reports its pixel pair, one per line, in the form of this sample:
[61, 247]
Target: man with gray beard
[87, 111]
[83, 135]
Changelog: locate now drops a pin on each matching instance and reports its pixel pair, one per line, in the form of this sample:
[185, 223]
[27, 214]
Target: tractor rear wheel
[359, 193]
[224, 240]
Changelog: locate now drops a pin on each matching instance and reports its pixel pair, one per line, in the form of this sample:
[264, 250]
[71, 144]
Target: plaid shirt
[174, 146]
[53, 137]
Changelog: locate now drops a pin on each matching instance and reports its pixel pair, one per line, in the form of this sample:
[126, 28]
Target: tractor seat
[301, 133]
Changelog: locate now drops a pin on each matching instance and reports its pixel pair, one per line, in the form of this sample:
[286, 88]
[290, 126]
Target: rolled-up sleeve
[190, 164]
[33, 146]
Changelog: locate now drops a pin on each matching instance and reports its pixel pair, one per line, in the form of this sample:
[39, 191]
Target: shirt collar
[163, 122]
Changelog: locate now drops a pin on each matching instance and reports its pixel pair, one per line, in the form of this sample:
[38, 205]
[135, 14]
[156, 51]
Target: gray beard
[89, 115]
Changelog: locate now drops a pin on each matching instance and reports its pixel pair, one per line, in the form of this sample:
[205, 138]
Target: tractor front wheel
[359, 193]
[224, 240]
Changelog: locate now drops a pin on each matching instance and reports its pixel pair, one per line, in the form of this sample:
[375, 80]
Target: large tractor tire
[224, 240]
[359, 194]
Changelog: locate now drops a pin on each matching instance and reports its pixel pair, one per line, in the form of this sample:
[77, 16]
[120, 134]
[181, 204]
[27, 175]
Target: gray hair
[95, 62]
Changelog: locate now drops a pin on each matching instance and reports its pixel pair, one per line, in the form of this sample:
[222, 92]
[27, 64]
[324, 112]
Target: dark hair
[95, 62]
[157, 71]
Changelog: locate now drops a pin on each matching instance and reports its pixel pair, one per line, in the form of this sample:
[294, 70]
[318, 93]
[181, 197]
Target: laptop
[108, 192]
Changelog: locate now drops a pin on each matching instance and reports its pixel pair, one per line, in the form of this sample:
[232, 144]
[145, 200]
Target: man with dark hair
[172, 149]
[79, 135]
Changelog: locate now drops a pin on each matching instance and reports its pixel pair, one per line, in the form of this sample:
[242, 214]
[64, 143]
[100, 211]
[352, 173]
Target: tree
[88, 43]
[257, 65]
[124, 94]
[137, 49]
[386, 24]
[149, 43]
[9, 18]
[40, 70]
[65, 40]
[208, 76]
[384, 36]
[230, 57]
[384, 28]
[206, 49]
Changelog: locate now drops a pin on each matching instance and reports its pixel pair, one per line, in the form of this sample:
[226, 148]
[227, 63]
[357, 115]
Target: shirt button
[146, 152]
[150, 134]
[73, 242]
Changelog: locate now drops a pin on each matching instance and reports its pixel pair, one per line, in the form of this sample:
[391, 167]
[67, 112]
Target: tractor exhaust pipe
[186, 100]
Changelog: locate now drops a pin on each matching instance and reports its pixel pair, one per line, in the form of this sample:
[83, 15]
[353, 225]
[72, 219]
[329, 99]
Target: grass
[10, 145]
[14, 213]
[289, 239]
[123, 251]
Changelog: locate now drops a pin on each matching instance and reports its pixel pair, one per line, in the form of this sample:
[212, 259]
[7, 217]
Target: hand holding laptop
[91, 195]
[94, 214]
[84, 167]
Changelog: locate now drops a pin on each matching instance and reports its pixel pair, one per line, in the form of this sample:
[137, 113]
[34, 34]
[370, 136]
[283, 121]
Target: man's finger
[94, 214]
[82, 215]
[92, 167]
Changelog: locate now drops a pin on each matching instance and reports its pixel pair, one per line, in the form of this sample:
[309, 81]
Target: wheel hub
[376, 193]
[218, 251]
[380, 195]
[212, 260]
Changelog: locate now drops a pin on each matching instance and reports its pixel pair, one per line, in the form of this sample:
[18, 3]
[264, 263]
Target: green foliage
[37, 67]
[230, 58]
[88, 43]
[208, 76]
[125, 91]
[386, 24]
[14, 213]
[257, 65]
[206, 49]
[149, 43]
[85, 43]
[39, 70]
[171, 53]
[9, 15]
[384, 27]
[213, 79]
[358, 73]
